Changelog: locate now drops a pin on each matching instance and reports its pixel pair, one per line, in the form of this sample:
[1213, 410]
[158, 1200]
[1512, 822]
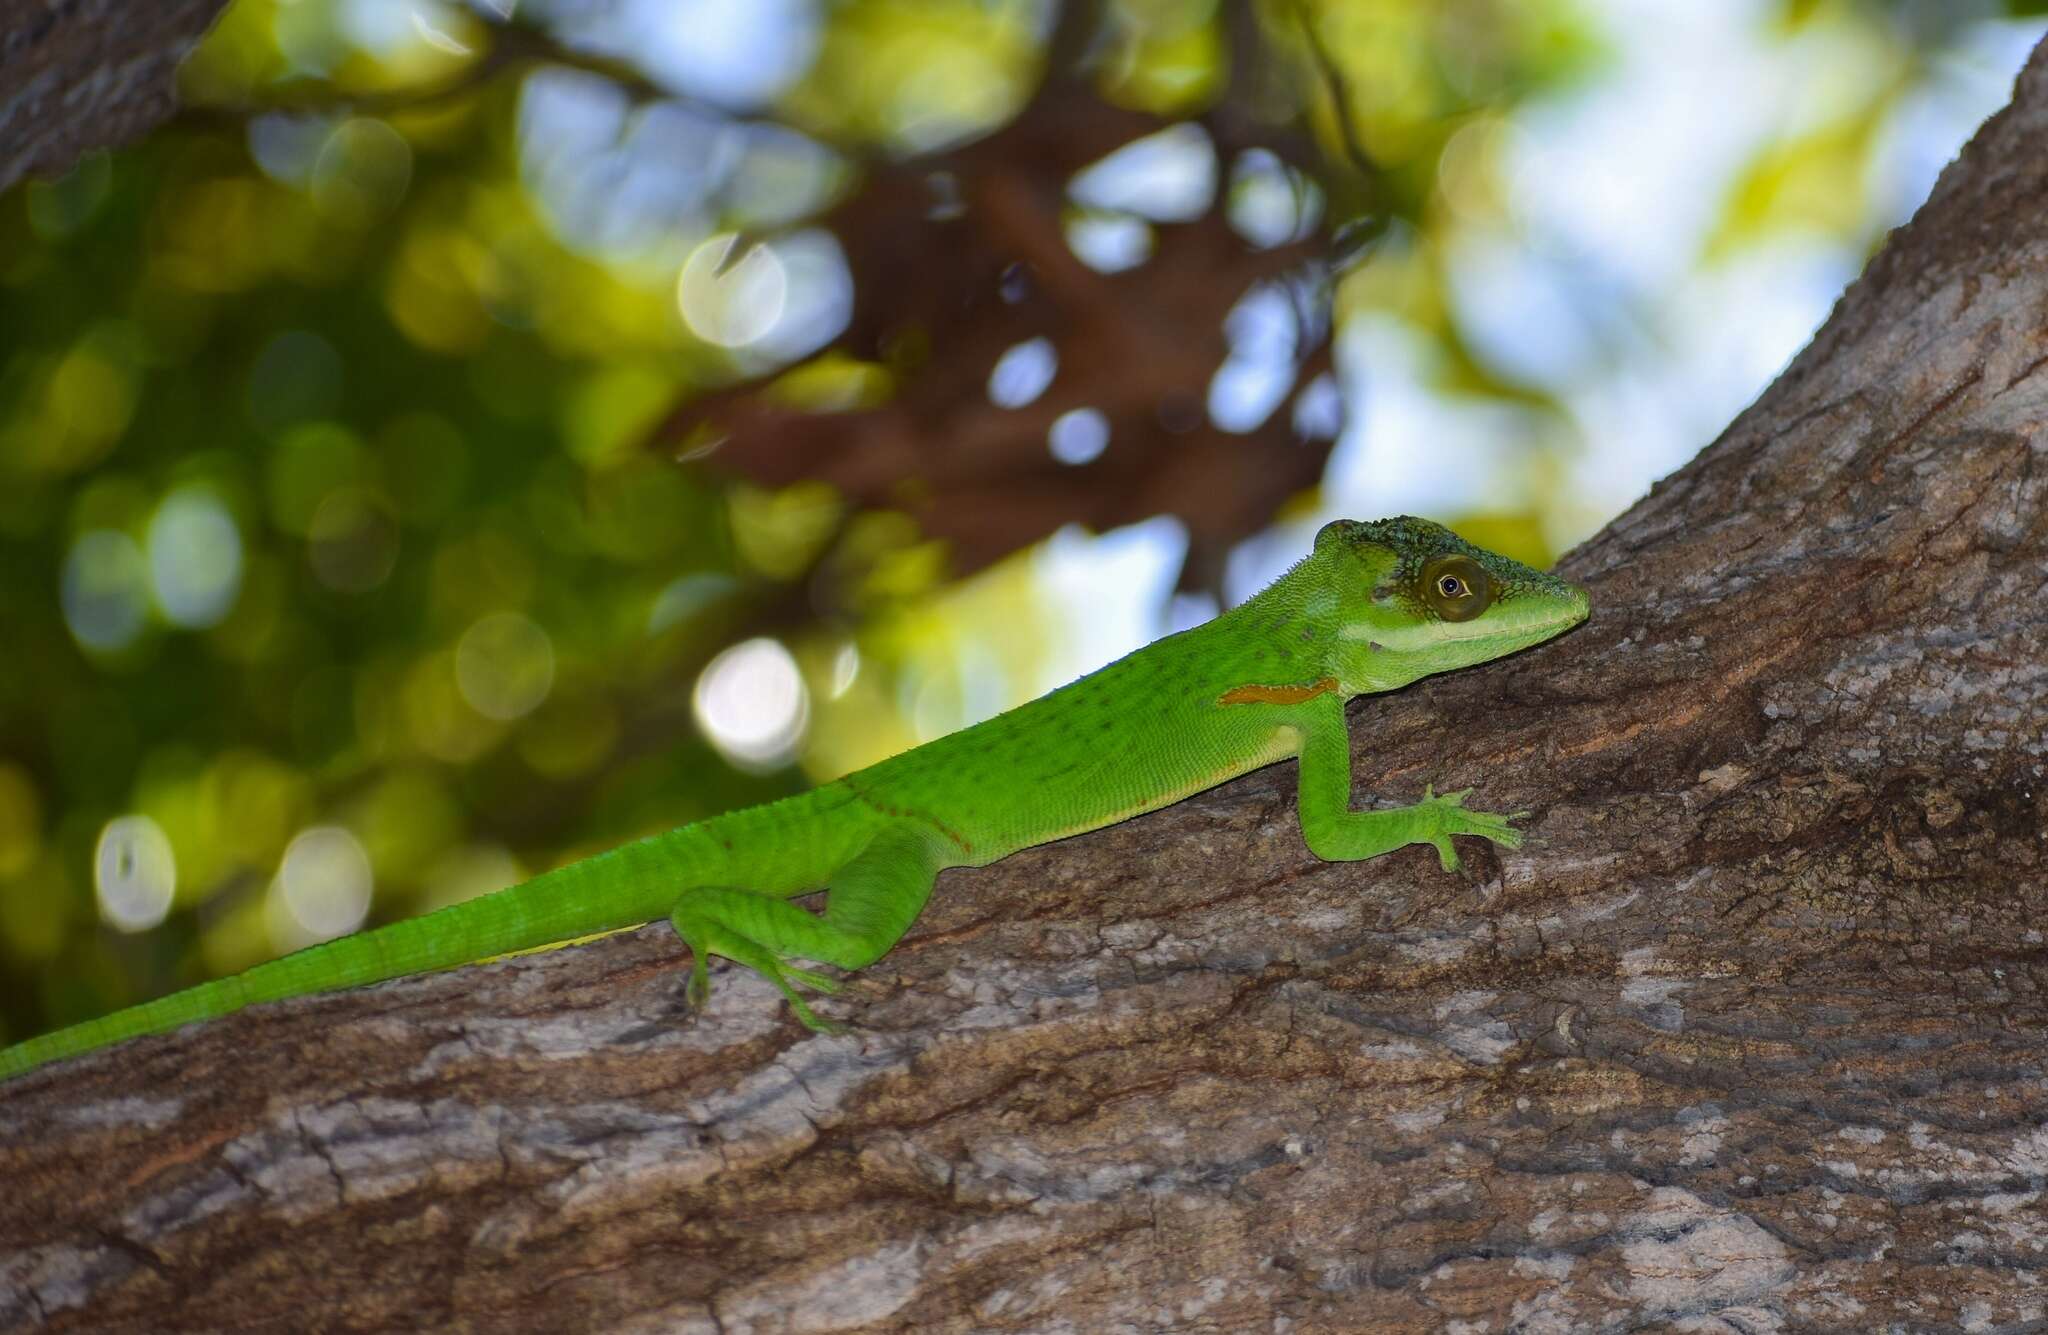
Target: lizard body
[1374, 607]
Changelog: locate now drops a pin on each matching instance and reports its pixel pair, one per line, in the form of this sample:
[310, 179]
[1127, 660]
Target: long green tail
[627, 886]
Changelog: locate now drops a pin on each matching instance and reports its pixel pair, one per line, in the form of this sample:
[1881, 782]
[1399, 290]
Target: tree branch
[77, 75]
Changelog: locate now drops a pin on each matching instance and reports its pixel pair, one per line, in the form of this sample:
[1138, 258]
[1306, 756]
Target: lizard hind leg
[706, 936]
[871, 901]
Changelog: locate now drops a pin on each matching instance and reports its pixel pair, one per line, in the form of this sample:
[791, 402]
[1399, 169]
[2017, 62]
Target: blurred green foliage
[417, 413]
[324, 495]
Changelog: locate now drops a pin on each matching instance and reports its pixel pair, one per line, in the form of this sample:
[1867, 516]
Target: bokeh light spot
[105, 590]
[1169, 176]
[1244, 392]
[362, 172]
[505, 666]
[91, 401]
[819, 300]
[1109, 242]
[435, 716]
[195, 558]
[735, 53]
[134, 873]
[1022, 373]
[323, 885]
[286, 145]
[751, 702]
[435, 291]
[732, 300]
[1079, 436]
[251, 803]
[1264, 330]
[1319, 409]
[312, 461]
[1270, 204]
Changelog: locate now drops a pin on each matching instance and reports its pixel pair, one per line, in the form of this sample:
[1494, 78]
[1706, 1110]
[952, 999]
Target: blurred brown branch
[940, 293]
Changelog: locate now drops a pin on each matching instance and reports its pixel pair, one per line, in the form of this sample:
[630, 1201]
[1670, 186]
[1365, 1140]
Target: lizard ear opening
[1457, 588]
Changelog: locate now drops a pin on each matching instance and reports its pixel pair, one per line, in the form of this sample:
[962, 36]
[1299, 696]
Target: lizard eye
[1457, 588]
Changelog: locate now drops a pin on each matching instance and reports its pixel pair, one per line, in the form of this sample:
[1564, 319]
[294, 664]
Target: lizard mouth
[1519, 633]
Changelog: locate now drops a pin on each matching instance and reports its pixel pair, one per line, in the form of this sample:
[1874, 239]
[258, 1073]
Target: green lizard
[1374, 607]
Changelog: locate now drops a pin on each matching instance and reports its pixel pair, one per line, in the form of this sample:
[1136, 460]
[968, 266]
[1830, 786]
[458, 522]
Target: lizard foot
[1449, 816]
[708, 939]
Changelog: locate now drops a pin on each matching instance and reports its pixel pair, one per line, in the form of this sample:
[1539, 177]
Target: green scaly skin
[1367, 611]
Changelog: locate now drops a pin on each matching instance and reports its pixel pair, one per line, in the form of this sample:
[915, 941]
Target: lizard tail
[632, 884]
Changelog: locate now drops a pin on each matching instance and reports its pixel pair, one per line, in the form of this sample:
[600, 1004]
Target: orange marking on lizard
[1276, 695]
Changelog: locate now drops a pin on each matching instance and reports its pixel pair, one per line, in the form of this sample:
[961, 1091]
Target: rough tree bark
[76, 75]
[1750, 1037]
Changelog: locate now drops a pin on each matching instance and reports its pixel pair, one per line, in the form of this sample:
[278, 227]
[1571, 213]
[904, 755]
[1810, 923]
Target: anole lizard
[1374, 607]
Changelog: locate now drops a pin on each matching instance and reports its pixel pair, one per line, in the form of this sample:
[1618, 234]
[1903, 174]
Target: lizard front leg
[1336, 833]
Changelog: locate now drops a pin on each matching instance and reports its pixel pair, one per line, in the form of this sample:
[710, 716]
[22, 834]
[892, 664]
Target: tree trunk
[1750, 1036]
[76, 75]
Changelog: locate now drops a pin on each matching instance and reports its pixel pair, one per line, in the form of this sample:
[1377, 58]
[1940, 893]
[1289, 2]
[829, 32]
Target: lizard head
[1408, 598]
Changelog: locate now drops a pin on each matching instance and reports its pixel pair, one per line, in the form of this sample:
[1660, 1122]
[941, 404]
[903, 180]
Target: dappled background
[471, 435]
